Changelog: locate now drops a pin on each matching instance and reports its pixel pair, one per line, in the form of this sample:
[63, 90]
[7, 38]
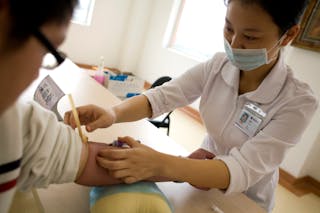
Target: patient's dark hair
[285, 13]
[29, 15]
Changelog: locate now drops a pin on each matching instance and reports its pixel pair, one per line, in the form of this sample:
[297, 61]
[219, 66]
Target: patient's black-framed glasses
[59, 57]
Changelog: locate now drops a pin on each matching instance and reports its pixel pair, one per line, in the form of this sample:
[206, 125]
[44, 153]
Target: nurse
[250, 78]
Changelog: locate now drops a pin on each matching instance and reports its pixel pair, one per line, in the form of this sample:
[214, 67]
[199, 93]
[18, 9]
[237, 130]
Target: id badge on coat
[250, 119]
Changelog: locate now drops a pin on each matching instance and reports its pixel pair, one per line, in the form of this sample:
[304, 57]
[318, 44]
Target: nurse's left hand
[139, 162]
[201, 154]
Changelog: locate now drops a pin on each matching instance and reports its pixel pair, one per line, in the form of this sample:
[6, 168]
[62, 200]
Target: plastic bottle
[99, 75]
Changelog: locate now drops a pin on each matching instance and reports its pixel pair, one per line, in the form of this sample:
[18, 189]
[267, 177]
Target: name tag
[250, 119]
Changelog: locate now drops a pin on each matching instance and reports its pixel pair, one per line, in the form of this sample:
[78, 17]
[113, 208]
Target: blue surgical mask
[248, 59]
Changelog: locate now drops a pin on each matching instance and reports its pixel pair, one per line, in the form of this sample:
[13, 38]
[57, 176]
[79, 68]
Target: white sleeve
[51, 150]
[183, 90]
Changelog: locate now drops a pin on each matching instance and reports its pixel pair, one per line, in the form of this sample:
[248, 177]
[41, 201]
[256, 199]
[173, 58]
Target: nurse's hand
[201, 154]
[139, 162]
[93, 117]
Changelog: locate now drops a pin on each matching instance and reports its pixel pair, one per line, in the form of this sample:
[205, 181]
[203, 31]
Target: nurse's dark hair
[285, 13]
[29, 15]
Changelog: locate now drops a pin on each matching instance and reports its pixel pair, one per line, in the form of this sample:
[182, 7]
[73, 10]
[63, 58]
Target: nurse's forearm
[132, 109]
[200, 173]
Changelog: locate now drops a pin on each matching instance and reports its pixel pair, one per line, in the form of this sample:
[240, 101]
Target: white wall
[312, 167]
[299, 161]
[155, 60]
[129, 33]
[135, 34]
[104, 37]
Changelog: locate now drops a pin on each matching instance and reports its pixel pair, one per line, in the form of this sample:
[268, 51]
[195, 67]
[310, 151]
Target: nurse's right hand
[92, 116]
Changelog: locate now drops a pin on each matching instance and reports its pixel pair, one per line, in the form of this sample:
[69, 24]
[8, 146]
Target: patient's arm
[90, 173]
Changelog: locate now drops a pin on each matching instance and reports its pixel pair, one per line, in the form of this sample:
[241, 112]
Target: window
[83, 12]
[195, 28]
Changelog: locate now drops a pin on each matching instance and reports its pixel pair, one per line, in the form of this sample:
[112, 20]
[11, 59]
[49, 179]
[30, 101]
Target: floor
[285, 200]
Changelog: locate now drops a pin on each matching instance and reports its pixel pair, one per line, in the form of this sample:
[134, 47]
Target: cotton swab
[76, 118]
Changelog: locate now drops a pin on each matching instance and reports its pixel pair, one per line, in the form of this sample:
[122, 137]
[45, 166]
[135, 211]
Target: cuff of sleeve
[156, 111]
[237, 180]
[73, 160]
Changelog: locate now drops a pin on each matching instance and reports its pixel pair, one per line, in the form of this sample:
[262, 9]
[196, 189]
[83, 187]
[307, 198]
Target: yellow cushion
[142, 197]
[131, 203]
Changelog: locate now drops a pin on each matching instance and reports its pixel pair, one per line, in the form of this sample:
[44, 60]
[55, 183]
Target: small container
[99, 75]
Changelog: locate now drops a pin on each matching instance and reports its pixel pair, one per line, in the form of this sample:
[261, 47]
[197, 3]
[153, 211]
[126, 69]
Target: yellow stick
[37, 200]
[76, 118]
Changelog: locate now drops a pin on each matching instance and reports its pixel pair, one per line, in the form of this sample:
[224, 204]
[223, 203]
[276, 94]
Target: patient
[35, 149]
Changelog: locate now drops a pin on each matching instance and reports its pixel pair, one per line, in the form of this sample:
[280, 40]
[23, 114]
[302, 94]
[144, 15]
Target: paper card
[48, 94]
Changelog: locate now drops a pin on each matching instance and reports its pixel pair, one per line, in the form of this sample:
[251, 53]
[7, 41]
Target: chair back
[160, 81]
[165, 121]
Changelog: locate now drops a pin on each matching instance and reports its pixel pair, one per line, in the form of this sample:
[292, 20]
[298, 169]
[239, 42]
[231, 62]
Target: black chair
[163, 121]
